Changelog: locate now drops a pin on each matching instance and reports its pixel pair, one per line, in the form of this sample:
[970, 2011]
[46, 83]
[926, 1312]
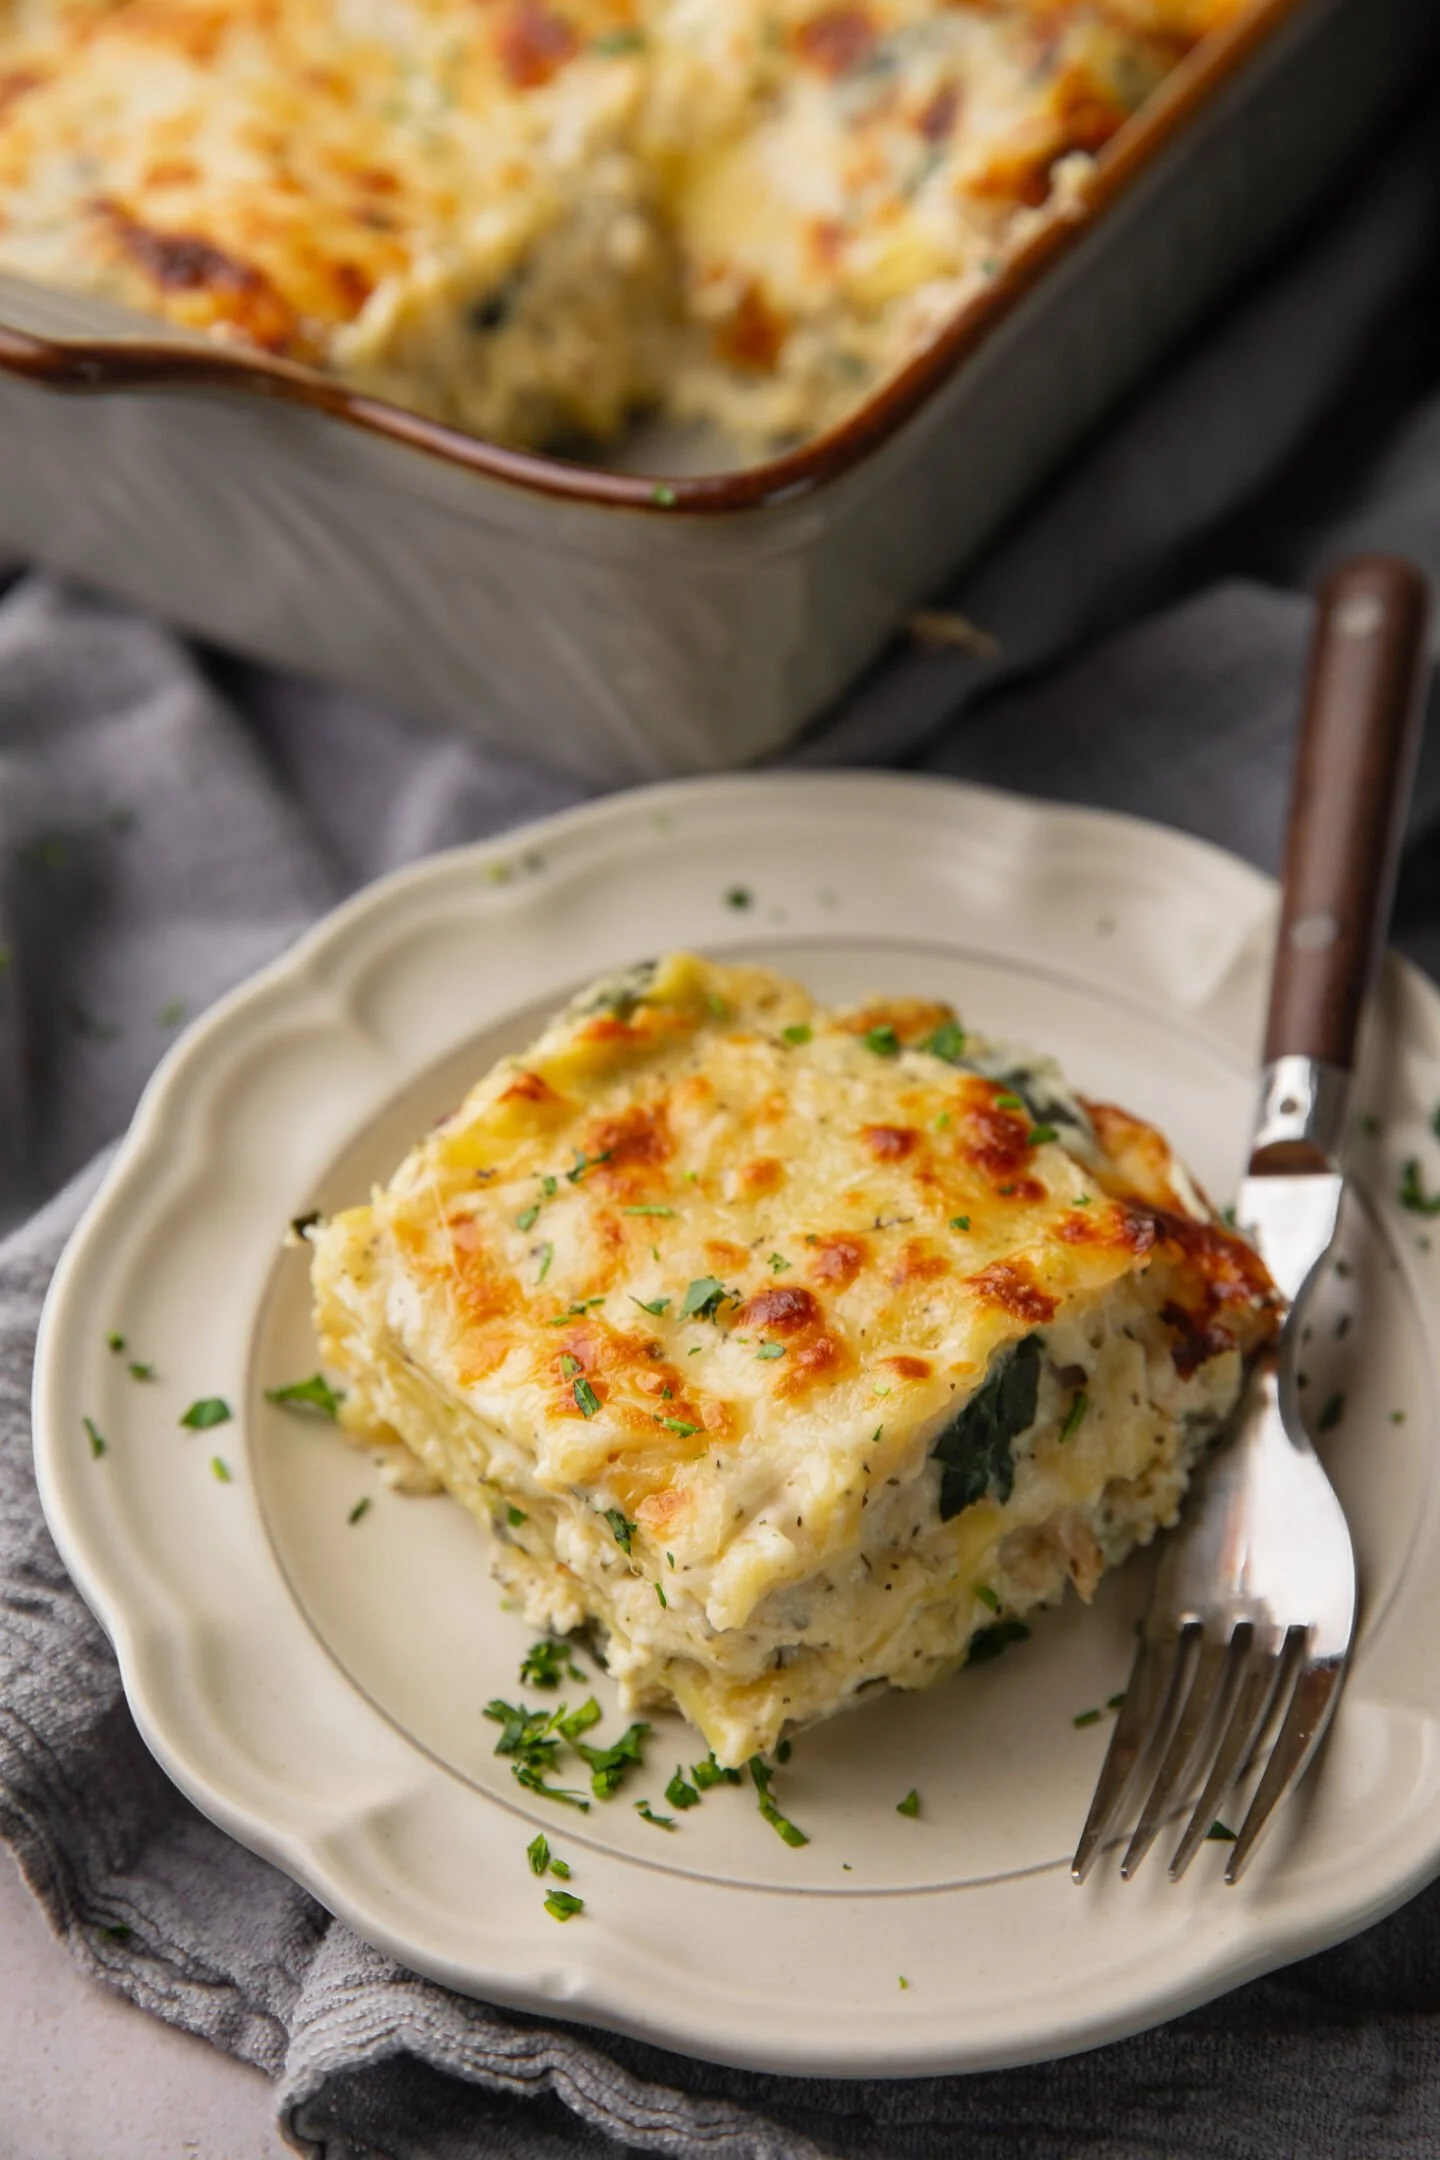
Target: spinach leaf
[974, 1452]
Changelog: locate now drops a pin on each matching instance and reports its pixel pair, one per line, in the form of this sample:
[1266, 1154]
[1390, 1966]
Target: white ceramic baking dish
[589, 618]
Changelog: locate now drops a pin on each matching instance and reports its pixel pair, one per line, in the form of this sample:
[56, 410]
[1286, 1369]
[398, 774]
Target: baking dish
[592, 618]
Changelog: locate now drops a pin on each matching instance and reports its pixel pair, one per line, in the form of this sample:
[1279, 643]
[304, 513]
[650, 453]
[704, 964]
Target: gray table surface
[86, 2076]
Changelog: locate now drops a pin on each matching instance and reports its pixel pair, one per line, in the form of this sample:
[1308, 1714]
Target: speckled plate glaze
[316, 1683]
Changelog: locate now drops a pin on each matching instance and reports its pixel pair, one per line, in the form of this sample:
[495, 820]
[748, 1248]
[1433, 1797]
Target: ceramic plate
[316, 1684]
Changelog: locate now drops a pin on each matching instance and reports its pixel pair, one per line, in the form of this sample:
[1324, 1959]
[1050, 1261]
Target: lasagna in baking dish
[535, 218]
[789, 1352]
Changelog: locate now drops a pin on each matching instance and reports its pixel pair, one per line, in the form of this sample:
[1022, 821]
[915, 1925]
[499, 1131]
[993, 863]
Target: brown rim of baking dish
[136, 363]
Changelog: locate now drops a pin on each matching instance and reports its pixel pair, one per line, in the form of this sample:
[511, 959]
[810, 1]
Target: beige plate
[316, 1686]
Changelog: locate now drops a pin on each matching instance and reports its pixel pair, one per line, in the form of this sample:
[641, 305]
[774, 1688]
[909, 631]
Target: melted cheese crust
[534, 217]
[681, 1301]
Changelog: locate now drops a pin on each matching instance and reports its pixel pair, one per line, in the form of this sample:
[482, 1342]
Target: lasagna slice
[788, 1351]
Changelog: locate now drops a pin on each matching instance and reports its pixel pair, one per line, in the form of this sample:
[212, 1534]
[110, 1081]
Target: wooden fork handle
[1359, 738]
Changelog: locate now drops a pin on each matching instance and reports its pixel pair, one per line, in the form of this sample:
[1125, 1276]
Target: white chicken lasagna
[789, 1353]
[536, 218]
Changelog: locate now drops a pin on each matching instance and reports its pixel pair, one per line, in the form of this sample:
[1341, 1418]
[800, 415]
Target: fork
[1249, 1628]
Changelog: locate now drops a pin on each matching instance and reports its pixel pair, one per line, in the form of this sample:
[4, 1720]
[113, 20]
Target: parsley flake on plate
[315, 1394]
[1085, 1717]
[138, 1370]
[360, 1510]
[910, 1805]
[563, 1904]
[647, 1814]
[208, 1410]
[220, 1470]
[709, 1774]
[680, 1793]
[98, 1442]
[1413, 1194]
[761, 1774]
[547, 1662]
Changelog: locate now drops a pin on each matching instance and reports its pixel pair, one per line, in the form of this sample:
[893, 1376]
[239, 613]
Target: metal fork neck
[1301, 1123]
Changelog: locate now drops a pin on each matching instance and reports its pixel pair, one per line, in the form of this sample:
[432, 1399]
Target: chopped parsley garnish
[678, 1425]
[679, 1793]
[219, 1470]
[116, 1343]
[739, 896]
[1332, 1413]
[547, 1662]
[663, 496]
[560, 1868]
[771, 1350]
[574, 1722]
[1075, 1415]
[360, 1509]
[1038, 1135]
[655, 1305]
[778, 1263]
[515, 1516]
[903, 1981]
[563, 1904]
[582, 1163]
[612, 43]
[98, 1442]
[314, 1394]
[610, 1766]
[974, 1453]
[1009, 1102]
[667, 1212]
[647, 1814]
[1413, 1194]
[987, 1596]
[1086, 1717]
[531, 1739]
[586, 1400]
[141, 1371]
[547, 1254]
[209, 1410]
[710, 1773]
[569, 1366]
[528, 1217]
[623, 1529]
[549, 1186]
[948, 1042]
[910, 1805]
[1115, 1702]
[703, 1299]
[1221, 1832]
[959, 1222]
[660, 1593]
[990, 1641]
[883, 1040]
[761, 1774]
[537, 1852]
[799, 1035]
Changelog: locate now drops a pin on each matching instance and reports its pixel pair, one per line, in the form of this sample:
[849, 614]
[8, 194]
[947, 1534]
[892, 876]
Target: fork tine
[1316, 1691]
[1149, 1695]
[1246, 1721]
[1212, 1668]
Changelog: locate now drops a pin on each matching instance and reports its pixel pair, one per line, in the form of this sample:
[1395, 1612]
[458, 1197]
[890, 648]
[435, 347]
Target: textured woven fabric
[169, 821]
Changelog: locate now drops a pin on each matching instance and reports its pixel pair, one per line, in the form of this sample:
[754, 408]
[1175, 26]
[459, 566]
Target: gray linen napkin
[168, 821]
